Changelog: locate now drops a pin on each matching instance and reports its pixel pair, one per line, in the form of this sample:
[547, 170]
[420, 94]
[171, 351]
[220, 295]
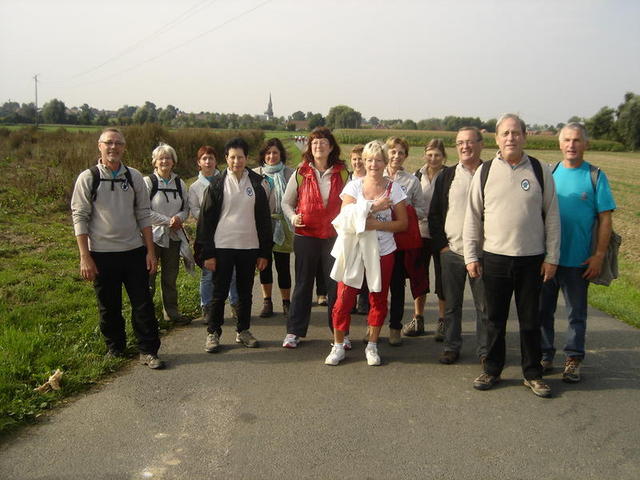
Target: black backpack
[177, 190]
[96, 179]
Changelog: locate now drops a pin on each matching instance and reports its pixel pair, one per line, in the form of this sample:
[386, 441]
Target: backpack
[155, 189]
[96, 179]
[609, 271]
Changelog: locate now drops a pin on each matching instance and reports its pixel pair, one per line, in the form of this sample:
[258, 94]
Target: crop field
[48, 315]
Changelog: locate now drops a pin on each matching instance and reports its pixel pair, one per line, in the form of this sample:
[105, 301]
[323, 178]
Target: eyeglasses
[109, 143]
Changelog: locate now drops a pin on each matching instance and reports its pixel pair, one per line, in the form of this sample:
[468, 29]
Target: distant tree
[490, 125]
[54, 111]
[86, 115]
[167, 114]
[430, 124]
[102, 119]
[409, 124]
[291, 127]
[8, 108]
[560, 125]
[146, 113]
[308, 115]
[629, 121]
[27, 113]
[343, 116]
[297, 116]
[602, 124]
[316, 120]
[374, 121]
[575, 119]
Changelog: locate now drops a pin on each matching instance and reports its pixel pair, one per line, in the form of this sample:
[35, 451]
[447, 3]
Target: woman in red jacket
[311, 201]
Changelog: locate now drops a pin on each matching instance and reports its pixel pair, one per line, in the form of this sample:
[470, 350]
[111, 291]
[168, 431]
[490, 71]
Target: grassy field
[48, 315]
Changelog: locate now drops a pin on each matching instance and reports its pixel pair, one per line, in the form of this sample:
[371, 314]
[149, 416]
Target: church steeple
[269, 111]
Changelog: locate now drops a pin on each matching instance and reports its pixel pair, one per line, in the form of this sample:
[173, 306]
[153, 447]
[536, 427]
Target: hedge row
[419, 138]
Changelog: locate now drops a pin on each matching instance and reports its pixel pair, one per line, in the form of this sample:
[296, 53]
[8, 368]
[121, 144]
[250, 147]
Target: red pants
[346, 299]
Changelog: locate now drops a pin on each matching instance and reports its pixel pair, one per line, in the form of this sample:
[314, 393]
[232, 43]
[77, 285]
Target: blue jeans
[206, 288]
[574, 288]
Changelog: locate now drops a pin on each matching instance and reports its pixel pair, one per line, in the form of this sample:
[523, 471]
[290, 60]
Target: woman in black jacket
[234, 232]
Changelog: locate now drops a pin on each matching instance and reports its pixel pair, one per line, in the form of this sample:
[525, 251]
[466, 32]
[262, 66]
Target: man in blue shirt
[583, 207]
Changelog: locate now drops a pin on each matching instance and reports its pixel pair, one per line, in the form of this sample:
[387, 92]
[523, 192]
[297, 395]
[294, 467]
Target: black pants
[129, 269]
[282, 267]
[503, 276]
[244, 262]
[310, 253]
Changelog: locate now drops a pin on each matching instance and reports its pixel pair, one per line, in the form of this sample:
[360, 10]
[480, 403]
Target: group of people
[509, 225]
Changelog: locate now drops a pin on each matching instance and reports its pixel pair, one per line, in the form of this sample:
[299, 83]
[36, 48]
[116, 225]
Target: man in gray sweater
[110, 208]
[511, 238]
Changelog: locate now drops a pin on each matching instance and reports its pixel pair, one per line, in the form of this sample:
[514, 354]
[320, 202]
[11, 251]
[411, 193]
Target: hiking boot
[571, 372]
[267, 308]
[286, 304]
[322, 300]
[244, 337]
[181, 320]
[547, 366]
[439, 337]
[539, 387]
[290, 341]
[347, 343]
[213, 343]
[395, 337]
[152, 361]
[114, 354]
[448, 357]
[485, 381]
[234, 311]
[373, 358]
[335, 357]
[415, 327]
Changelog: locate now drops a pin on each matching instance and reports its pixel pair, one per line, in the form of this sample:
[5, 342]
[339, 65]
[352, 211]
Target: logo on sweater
[526, 185]
[124, 185]
[250, 191]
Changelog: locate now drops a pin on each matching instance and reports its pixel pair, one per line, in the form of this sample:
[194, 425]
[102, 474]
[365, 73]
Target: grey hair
[511, 116]
[374, 148]
[161, 149]
[576, 126]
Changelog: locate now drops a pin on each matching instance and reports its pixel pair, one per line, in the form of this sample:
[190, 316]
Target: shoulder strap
[595, 174]
[555, 167]
[537, 170]
[95, 182]
[418, 174]
[484, 173]
[127, 175]
[154, 186]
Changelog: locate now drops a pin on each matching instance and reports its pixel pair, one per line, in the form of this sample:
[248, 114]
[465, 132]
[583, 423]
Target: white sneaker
[336, 356]
[290, 341]
[371, 352]
[347, 343]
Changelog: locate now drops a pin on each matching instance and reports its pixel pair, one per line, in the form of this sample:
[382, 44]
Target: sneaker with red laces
[571, 373]
[290, 341]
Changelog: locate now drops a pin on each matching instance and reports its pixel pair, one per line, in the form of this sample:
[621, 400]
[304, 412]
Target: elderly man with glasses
[110, 210]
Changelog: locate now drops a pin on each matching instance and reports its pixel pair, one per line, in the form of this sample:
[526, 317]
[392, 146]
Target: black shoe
[449, 357]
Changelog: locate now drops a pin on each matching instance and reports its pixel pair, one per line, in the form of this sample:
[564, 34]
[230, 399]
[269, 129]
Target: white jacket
[356, 249]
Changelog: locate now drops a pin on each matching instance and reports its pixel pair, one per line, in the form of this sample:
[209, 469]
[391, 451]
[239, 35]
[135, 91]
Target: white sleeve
[290, 198]
[397, 194]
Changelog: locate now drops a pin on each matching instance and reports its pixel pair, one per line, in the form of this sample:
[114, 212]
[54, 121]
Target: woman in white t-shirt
[382, 196]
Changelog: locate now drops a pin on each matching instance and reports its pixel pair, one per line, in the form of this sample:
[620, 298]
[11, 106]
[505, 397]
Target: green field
[48, 315]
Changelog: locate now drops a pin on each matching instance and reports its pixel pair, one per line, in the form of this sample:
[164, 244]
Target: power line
[138, 65]
[168, 26]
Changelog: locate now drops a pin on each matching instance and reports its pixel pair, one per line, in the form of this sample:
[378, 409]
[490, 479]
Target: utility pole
[35, 78]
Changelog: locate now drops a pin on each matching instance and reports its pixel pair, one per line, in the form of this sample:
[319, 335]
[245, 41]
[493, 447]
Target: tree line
[621, 124]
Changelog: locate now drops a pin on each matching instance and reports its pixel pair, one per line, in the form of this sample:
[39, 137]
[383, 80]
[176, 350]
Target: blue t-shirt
[579, 206]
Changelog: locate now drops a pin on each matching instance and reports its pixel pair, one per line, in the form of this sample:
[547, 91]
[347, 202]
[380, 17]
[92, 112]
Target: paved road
[275, 413]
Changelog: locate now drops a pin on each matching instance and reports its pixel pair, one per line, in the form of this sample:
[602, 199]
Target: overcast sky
[545, 59]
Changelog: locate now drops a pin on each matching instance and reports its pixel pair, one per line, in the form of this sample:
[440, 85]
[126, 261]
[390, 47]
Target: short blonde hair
[161, 150]
[373, 148]
[393, 141]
